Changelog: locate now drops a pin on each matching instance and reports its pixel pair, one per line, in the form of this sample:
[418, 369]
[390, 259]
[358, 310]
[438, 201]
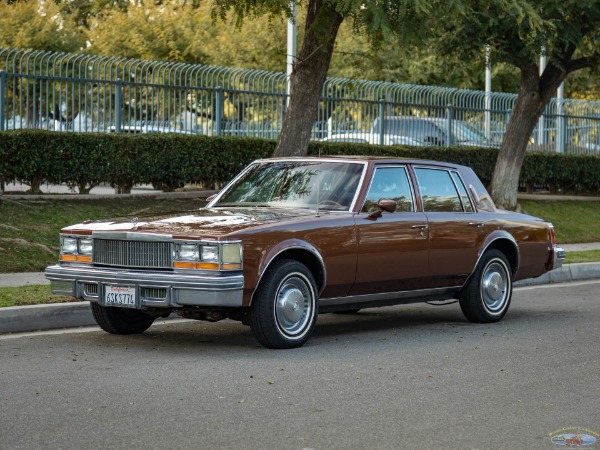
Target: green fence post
[381, 121]
[118, 105]
[449, 119]
[2, 98]
[220, 104]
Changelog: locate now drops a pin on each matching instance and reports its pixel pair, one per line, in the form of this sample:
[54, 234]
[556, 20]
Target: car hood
[205, 222]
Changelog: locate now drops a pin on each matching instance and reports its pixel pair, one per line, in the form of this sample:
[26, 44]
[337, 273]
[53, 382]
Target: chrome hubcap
[293, 307]
[494, 286]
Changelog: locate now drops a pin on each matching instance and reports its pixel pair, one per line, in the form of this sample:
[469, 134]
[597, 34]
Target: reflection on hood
[206, 221]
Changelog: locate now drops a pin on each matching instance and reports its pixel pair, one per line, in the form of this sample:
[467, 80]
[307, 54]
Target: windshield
[295, 184]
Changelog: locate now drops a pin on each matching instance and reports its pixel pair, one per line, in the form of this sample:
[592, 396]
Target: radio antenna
[318, 184]
[318, 189]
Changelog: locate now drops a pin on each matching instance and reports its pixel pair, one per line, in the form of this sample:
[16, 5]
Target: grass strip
[29, 228]
[34, 294]
[574, 221]
[583, 256]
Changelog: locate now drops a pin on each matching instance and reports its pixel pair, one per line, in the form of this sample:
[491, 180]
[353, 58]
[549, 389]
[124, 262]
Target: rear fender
[506, 243]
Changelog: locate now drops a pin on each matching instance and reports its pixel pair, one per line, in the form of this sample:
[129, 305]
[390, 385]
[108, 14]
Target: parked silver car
[429, 131]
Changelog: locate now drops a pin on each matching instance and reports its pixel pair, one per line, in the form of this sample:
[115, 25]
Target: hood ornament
[134, 222]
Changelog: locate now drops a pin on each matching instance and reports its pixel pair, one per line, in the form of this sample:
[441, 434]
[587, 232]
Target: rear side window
[466, 201]
[390, 183]
[438, 191]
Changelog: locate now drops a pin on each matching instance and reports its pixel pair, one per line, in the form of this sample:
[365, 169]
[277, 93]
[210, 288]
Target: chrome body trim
[293, 245]
[131, 236]
[504, 236]
[213, 202]
[182, 289]
[400, 296]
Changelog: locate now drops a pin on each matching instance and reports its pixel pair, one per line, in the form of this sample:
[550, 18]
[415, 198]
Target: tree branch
[582, 63]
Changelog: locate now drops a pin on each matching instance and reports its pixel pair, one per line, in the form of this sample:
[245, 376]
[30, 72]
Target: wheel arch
[505, 243]
[300, 251]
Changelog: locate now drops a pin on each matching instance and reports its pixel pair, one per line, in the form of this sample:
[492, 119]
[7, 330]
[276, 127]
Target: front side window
[295, 184]
[438, 192]
[390, 183]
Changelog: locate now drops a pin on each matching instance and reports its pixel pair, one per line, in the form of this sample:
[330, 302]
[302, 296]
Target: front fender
[292, 245]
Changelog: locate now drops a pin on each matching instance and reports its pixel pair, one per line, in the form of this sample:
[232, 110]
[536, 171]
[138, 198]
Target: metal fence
[78, 92]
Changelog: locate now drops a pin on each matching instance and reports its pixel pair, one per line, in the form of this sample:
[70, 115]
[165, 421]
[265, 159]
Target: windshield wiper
[243, 205]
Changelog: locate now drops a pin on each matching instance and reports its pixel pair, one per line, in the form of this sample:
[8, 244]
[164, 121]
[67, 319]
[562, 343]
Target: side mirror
[387, 205]
[210, 198]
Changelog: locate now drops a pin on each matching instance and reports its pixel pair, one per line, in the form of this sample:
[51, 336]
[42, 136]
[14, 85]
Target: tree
[148, 31]
[323, 19]
[179, 32]
[569, 33]
[37, 25]
[307, 77]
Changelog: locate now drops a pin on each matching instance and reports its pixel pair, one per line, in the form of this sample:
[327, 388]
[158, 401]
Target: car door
[456, 230]
[392, 246]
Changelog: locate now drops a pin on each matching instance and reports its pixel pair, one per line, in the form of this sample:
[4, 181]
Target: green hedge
[82, 160]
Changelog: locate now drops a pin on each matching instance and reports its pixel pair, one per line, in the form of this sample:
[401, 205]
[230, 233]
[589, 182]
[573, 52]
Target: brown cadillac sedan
[290, 238]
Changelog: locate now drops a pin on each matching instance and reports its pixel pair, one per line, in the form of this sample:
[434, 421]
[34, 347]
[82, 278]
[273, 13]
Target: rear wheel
[283, 313]
[120, 320]
[487, 294]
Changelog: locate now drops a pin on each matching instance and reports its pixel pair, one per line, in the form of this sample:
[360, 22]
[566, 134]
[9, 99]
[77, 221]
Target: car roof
[365, 159]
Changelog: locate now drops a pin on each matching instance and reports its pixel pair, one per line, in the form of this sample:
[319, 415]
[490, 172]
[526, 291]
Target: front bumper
[558, 256]
[154, 289]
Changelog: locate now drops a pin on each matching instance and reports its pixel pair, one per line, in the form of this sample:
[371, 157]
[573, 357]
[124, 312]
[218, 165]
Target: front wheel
[486, 295]
[283, 313]
[121, 321]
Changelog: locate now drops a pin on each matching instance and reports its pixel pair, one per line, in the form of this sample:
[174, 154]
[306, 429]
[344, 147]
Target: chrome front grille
[139, 254]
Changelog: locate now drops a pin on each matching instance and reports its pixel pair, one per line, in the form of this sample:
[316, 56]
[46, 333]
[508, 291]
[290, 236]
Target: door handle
[420, 227]
[477, 224]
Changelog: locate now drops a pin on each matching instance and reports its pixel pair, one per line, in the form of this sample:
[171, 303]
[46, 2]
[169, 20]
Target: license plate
[122, 296]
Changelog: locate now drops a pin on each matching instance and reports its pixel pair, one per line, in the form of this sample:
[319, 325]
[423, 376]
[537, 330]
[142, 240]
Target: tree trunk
[534, 94]
[307, 78]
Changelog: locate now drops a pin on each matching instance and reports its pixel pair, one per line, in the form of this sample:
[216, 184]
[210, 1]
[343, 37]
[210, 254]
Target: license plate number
[123, 296]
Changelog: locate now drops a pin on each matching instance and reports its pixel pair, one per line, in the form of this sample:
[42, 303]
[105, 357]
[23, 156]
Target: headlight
[187, 252]
[68, 245]
[75, 249]
[86, 246]
[210, 254]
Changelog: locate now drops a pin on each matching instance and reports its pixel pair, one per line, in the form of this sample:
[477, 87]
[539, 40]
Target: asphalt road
[405, 377]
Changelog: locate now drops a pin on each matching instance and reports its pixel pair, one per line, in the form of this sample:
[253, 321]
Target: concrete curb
[20, 319]
[568, 272]
[17, 319]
